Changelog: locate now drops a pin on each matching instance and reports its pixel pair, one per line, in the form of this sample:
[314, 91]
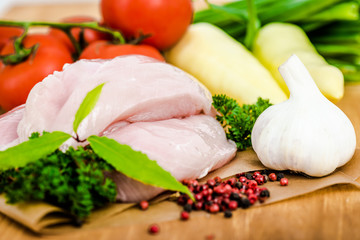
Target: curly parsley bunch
[238, 121]
[73, 180]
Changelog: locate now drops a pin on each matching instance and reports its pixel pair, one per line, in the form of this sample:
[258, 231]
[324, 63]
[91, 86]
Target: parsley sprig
[73, 180]
[238, 121]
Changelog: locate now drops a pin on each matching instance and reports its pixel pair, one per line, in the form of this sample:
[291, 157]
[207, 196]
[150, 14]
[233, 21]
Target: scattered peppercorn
[284, 181]
[217, 179]
[219, 195]
[211, 182]
[144, 205]
[244, 202]
[266, 178]
[187, 207]
[154, 229]
[214, 208]
[260, 179]
[272, 177]
[227, 214]
[238, 185]
[279, 176]
[265, 193]
[249, 176]
[233, 205]
[184, 215]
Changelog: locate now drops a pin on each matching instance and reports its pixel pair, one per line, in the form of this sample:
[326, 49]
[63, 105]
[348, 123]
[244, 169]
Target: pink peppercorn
[154, 228]
[198, 196]
[204, 187]
[272, 177]
[199, 205]
[144, 205]
[205, 192]
[233, 205]
[226, 195]
[184, 215]
[260, 179]
[243, 179]
[218, 200]
[284, 182]
[185, 182]
[219, 190]
[225, 201]
[228, 188]
[211, 182]
[231, 181]
[207, 198]
[249, 191]
[252, 198]
[194, 182]
[252, 184]
[214, 208]
[255, 174]
[217, 179]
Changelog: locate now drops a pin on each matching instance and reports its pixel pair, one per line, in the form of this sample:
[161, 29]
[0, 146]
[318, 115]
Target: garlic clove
[307, 133]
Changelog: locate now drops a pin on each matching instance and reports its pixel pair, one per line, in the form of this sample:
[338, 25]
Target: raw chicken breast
[8, 124]
[187, 148]
[137, 88]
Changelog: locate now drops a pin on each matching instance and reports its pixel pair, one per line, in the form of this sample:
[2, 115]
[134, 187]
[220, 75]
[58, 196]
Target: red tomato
[89, 34]
[7, 33]
[17, 80]
[165, 20]
[106, 50]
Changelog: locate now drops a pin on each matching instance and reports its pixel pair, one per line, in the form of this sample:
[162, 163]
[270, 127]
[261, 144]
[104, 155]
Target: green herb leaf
[238, 121]
[135, 164]
[87, 105]
[32, 150]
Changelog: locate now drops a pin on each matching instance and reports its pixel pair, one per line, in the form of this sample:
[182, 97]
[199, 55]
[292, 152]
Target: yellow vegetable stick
[276, 42]
[224, 65]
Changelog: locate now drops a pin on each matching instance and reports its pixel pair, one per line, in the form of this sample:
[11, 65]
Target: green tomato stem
[22, 53]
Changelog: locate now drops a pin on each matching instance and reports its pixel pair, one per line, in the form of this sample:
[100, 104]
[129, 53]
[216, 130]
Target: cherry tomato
[7, 33]
[165, 20]
[17, 80]
[89, 34]
[106, 50]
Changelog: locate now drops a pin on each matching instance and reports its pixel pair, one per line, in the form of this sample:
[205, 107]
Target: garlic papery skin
[306, 133]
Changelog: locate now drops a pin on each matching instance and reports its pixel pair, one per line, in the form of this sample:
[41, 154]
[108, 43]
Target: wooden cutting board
[330, 213]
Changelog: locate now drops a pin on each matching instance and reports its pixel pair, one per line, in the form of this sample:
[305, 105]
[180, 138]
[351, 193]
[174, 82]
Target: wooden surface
[331, 213]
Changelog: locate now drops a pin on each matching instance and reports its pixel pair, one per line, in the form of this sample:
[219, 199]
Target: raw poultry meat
[152, 106]
[187, 148]
[137, 88]
[8, 124]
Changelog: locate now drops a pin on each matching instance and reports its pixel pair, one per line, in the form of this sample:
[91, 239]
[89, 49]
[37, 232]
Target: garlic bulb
[307, 133]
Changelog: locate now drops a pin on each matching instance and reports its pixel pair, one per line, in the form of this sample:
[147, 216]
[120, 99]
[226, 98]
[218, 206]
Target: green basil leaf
[31, 150]
[135, 164]
[87, 105]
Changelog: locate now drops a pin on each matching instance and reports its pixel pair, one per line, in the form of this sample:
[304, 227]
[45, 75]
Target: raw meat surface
[137, 88]
[187, 148]
[8, 124]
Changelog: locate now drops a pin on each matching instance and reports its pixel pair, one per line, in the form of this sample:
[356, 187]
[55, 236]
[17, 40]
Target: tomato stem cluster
[22, 53]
